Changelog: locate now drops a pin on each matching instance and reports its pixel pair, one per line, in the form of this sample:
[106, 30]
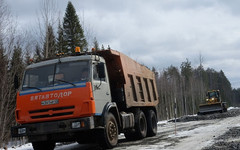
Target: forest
[184, 83]
[189, 86]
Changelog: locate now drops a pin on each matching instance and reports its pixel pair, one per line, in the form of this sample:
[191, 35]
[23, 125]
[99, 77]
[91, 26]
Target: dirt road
[208, 132]
[193, 135]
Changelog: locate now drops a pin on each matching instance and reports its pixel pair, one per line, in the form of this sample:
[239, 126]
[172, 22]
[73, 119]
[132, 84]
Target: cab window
[95, 74]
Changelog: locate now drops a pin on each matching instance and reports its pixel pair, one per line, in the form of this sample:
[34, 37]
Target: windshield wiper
[32, 87]
[65, 82]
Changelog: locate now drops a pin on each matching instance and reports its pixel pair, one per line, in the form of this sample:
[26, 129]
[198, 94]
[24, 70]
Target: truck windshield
[68, 73]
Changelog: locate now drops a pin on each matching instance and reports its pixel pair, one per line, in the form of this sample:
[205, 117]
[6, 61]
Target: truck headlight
[76, 125]
[22, 130]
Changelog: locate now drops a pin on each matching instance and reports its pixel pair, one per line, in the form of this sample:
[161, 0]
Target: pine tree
[16, 64]
[224, 87]
[109, 48]
[16, 67]
[27, 58]
[3, 65]
[95, 43]
[4, 92]
[186, 70]
[49, 49]
[9, 96]
[103, 47]
[73, 33]
[38, 54]
[155, 72]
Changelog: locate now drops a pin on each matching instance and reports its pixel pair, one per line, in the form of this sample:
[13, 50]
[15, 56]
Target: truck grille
[51, 112]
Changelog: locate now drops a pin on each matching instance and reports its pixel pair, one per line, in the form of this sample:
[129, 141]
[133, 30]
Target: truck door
[101, 90]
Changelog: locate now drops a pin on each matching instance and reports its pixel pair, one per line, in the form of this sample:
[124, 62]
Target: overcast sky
[158, 33]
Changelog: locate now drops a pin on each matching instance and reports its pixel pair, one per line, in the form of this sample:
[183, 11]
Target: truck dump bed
[132, 84]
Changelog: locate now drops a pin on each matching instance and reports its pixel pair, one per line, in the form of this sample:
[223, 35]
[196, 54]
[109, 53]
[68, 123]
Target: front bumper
[50, 128]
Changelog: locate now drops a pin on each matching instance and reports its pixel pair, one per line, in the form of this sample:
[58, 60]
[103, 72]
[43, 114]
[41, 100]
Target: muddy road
[218, 131]
[205, 132]
[208, 132]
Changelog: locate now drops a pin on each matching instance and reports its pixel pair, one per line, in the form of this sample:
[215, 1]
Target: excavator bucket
[211, 108]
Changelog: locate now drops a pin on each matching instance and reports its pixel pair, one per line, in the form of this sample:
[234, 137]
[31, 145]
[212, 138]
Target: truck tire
[140, 125]
[140, 129]
[151, 123]
[110, 135]
[45, 145]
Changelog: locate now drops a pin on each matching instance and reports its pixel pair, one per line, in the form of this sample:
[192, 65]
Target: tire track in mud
[164, 138]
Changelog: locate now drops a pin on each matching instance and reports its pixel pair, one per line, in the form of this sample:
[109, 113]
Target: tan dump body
[137, 81]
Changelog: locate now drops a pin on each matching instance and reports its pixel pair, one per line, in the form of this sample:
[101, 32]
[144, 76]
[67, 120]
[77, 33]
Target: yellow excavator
[213, 103]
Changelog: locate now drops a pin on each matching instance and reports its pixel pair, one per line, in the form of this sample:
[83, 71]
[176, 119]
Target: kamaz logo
[49, 102]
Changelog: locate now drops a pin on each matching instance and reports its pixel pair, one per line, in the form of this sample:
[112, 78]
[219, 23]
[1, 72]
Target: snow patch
[230, 108]
[27, 146]
[162, 122]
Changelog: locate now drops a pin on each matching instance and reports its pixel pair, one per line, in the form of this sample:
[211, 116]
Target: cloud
[162, 33]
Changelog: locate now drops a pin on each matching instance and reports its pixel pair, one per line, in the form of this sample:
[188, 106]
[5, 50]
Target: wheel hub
[112, 130]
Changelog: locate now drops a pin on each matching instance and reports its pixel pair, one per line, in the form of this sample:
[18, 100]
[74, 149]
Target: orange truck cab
[86, 98]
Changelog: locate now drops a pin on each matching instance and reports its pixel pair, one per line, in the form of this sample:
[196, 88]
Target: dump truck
[90, 97]
[213, 103]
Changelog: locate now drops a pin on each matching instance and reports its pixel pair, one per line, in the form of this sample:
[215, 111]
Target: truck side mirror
[101, 70]
[16, 84]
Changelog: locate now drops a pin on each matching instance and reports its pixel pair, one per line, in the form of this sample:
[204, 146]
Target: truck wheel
[45, 145]
[140, 129]
[151, 123]
[140, 125]
[110, 132]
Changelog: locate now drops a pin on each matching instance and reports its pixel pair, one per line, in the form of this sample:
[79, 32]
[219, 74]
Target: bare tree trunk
[6, 35]
[48, 16]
